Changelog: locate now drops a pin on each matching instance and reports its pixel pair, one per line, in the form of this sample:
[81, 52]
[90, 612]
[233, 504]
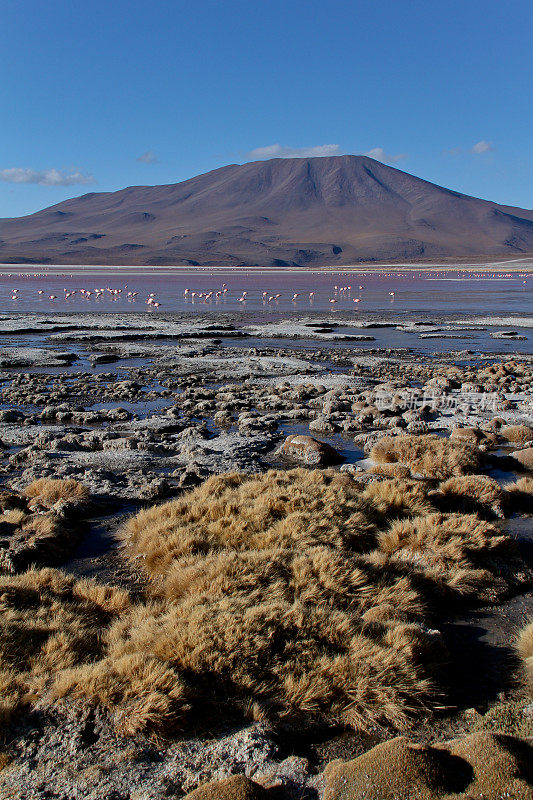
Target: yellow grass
[283, 509]
[518, 434]
[429, 456]
[49, 622]
[519, 496]
[472, 493]
[290, 594]
[399, 498]
[449, 550]
[524, 646]
[36, 530]
[48, 491]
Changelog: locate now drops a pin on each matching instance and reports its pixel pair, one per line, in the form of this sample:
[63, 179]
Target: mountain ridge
[326, 211]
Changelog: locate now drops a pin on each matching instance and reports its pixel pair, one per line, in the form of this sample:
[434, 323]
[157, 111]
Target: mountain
[296, 211]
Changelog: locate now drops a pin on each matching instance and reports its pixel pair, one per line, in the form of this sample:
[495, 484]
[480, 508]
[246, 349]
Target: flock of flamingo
[339, 293]
[87, 293]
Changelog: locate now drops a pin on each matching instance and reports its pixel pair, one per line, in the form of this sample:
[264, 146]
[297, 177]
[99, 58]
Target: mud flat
[258, 547]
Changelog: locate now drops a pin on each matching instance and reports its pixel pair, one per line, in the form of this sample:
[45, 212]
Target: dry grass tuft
[451, 551]
[36, 526]
[297, 508]
[400, 471]
[429, 456]
[519, 496]
[524, 647]
[141, 692]
[293, 593]
[49, 623]
[398, 498]
[471, 494]
[518, 434]
[47, 492]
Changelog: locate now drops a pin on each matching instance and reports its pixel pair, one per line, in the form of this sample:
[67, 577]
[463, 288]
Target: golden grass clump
[524, 647]
[314, 576]
[400, 471]
[293, 593]
[519, 496]
[398, 498]
[141, 692]
[472, 494]
[49, 622]
[429, 456]
[518, 434]
[290, 658]
[37, 525]
[452, 551]
[47, 492]
[296, 508]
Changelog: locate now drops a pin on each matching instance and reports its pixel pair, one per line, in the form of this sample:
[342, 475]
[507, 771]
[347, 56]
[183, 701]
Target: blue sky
[96, 96]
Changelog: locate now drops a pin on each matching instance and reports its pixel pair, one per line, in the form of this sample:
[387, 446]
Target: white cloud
[482, 147]
[148, 158]
[380, 155]
[47, 177]
[279, 151]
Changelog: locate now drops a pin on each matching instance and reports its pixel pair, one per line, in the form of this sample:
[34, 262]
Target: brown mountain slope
[315, 211]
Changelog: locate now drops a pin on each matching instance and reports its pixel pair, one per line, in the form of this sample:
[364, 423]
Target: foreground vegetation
[298, 593]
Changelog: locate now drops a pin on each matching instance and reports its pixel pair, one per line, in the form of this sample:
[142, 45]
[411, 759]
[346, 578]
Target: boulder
[502, 765]
[236, 787]
[309, 451]
[395, 770]
[480, 766]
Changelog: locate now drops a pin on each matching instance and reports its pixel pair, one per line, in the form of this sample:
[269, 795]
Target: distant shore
[522, 264]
